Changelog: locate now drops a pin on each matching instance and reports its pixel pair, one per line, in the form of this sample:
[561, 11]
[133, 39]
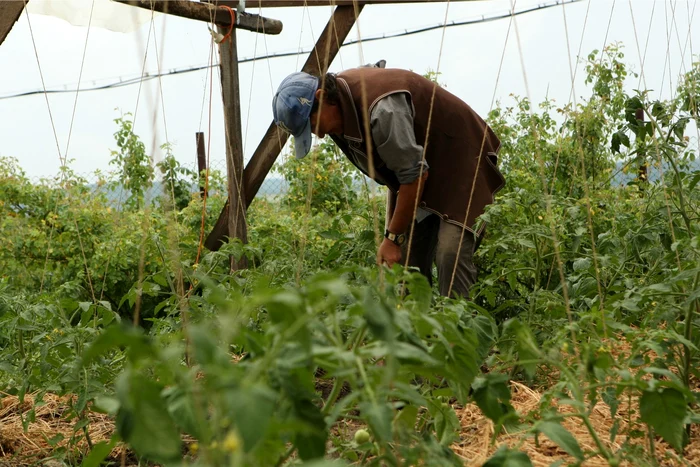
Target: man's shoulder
[397, 101]
[368, 72]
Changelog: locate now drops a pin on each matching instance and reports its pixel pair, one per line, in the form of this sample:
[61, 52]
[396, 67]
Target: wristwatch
[398, 239]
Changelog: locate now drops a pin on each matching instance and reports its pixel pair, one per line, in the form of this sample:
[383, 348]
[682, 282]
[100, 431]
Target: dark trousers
[435, 240]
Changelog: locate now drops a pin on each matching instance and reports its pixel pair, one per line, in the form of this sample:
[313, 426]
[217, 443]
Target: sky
[539, 50]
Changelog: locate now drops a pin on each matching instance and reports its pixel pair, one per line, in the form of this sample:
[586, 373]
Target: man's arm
[394, 137]
[406, 204]
[390, 208]
[389, 252]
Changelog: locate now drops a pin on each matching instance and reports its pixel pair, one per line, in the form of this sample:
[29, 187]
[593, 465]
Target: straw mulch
[18, 448]
[475, 445]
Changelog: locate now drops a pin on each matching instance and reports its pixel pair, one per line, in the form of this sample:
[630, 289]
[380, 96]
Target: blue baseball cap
[291, 108]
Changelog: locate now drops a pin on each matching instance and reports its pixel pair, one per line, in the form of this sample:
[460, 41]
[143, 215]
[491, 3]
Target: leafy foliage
[177, 181]
[324, 179]
[135, 170]
[587, 287]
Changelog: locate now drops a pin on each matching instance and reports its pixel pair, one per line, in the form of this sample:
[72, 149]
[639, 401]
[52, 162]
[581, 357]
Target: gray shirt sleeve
[391, 122]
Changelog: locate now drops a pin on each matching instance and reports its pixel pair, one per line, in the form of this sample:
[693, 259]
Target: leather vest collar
[351, 122]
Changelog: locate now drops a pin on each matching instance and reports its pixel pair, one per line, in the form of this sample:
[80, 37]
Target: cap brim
[302, 142]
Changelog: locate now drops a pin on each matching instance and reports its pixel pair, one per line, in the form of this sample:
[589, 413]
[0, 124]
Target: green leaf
[527, 243]
[105, 404]
[379, 317]
[582, 264]
[409, 353]
[407, 418]
[506, 457]
[99, 453]
[624, 139]
[160, 280]
[694, 182]
[334, 252]
[492, 395]
[658, 110]
[562, 437]
[526, 343]
[407, 393]
[284, 306]
[457, 347]
[631, 107]
[630, 304]
[181, 409]
[379, 418]
[252, 409]
[54, 440]
[420, 291]
[485, 329]
[615, 142]
[206, 349]
[660, 287]
[143, 419]
[445, 421]
[119, 336]
[310, 441]
[665, 412]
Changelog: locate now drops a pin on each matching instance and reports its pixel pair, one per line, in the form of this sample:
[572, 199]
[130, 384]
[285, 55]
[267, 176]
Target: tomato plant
[588, 293]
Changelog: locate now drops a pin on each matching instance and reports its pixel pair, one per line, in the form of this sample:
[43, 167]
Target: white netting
[107, 14]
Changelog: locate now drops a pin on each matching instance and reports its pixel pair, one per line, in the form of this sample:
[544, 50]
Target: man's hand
[388, 253]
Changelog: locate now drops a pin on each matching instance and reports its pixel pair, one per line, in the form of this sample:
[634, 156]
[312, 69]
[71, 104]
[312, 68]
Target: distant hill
[273, 186]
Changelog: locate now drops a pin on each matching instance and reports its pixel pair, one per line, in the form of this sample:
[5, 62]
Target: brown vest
[461, 182]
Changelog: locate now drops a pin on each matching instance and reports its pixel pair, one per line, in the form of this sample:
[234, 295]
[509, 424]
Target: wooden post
[236, 222]
[325, 50]
[642, 173]
[201, 162]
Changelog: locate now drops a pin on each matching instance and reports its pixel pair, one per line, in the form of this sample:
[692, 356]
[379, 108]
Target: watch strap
[397, 239]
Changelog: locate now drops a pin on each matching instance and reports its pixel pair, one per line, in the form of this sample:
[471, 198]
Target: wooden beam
[325, 50]
[293, 3]
[201, 162]
[9, 14]
[236, 226]
[203, 11]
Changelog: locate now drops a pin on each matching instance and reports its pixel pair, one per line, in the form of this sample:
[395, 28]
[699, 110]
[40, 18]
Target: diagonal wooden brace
[203, 11]
[325, 50]
[9, 14]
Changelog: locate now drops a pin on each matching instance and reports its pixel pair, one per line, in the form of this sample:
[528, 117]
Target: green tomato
[361, 436]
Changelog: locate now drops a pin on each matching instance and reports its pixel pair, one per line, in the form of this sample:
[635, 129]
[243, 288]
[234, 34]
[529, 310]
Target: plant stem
[365, 380]
[337, 386]
[596, 438]
[285, 456]
[87, 436]
[689, 333]
[679, 183]
[21, 344]
[652, 447]
[364, 457]
[578, 395]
